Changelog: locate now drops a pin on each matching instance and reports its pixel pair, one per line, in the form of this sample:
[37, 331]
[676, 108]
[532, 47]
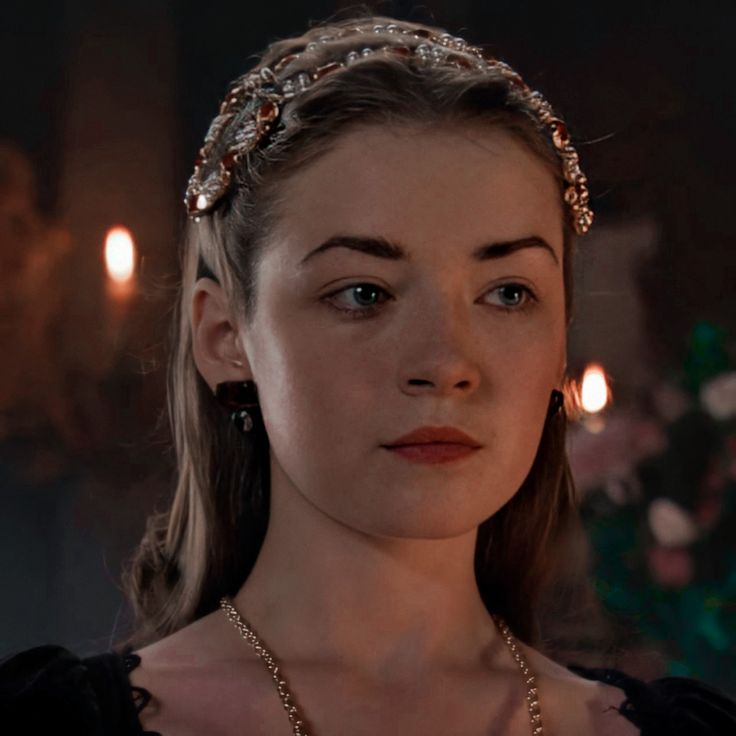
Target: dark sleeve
[48, 689]
[670, 706]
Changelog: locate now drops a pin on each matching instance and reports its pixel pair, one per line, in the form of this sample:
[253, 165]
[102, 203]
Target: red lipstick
[434, 445]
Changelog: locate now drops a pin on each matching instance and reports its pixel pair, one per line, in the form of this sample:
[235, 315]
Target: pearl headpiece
[254, 102]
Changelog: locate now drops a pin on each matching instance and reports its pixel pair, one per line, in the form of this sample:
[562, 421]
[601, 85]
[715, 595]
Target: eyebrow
[393, 251]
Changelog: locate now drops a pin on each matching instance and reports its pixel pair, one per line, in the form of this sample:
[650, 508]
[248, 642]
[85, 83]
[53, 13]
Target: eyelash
[370, 310]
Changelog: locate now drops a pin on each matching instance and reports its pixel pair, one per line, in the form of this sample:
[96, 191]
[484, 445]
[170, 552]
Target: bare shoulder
[572, 704]
[195, 677]
[193, 643]
[200, 683]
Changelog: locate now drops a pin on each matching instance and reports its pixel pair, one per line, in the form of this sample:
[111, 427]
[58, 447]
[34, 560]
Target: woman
[376, 288]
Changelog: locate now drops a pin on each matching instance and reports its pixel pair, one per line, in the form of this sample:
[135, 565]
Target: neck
[321, 592]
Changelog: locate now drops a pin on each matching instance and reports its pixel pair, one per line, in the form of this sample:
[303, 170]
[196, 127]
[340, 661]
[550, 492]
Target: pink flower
[718, 396]
[614, 452]
[671, 525]
[671, 567]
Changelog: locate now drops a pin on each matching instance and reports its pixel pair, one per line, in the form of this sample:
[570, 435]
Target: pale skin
[364, 588]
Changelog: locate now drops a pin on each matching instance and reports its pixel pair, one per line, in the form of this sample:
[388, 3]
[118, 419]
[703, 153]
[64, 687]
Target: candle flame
[119, 254]
[594, 391]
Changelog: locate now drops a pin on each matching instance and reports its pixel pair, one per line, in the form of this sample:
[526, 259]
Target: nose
[438, 354]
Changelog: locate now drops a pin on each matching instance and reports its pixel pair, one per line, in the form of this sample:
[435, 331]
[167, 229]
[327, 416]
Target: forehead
[463, 185]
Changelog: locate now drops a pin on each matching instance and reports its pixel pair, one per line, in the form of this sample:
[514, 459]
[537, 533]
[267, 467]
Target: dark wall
[646, 88]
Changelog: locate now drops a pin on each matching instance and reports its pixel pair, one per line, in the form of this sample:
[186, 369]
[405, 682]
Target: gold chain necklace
[287, 699]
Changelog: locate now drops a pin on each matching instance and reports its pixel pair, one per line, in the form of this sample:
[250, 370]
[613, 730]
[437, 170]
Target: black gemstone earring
[556, 402]
[237, 397]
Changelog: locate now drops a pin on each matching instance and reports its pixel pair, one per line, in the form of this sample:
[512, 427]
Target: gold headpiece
[254, 102]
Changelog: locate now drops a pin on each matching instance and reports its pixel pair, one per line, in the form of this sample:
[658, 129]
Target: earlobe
[216, 348]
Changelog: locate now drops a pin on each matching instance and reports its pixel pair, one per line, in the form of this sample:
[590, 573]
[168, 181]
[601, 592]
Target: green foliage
[679, 594]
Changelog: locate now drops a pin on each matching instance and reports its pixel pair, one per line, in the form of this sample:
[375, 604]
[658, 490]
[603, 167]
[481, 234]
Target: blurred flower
[708, 512]
[670, 401]
[612, 453]
[671, 525]
[671, 567]
[616, 490]
[623, 490]
[718, 396]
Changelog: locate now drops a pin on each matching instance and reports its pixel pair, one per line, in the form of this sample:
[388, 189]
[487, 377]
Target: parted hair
[204, 544]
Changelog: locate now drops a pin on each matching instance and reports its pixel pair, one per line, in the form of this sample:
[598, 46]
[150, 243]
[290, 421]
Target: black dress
[50, 690]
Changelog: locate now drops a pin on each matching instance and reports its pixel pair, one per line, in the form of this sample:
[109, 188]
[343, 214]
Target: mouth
[432, 453]
[431, 435]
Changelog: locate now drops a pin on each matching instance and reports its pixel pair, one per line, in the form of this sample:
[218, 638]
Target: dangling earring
[556, 402]
[237, 397]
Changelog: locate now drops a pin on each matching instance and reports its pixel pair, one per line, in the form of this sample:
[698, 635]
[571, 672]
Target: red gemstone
[267, 111]
[326, 69]
[192, 203]
[286, 60]
[559, 134]
[230, 158]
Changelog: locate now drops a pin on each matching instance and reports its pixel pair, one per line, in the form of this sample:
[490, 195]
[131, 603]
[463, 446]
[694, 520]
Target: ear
[216, 346]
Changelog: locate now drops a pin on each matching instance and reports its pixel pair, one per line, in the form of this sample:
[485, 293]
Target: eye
[514, 297]
[364, 299]
[364, 295]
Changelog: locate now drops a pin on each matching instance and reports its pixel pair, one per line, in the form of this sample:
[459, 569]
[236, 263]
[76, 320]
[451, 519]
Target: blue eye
[519, 296]
[367, 298]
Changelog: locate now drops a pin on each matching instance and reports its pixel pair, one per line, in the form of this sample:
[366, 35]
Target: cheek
[314, 391]
[329, 400]
[521, 378]
[527, 348]
[324, 428]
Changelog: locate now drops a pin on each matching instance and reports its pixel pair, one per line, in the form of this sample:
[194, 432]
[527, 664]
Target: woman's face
[447, 327]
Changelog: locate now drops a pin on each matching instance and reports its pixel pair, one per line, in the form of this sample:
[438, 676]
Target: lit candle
[119, 256]
[595, 395]
[120, 263]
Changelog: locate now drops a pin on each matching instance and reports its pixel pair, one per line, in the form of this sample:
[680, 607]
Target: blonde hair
[206, 543]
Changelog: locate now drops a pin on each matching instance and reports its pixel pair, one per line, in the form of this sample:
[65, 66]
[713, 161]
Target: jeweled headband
[253, 105]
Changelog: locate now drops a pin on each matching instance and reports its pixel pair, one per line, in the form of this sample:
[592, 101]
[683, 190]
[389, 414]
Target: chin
[437, 523]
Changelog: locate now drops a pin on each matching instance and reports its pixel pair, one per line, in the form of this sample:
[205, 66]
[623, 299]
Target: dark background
[107, 104]
[653, 80]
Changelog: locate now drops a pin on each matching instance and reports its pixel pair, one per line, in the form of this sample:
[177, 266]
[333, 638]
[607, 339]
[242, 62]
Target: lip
[432, 453]
[429, 435]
